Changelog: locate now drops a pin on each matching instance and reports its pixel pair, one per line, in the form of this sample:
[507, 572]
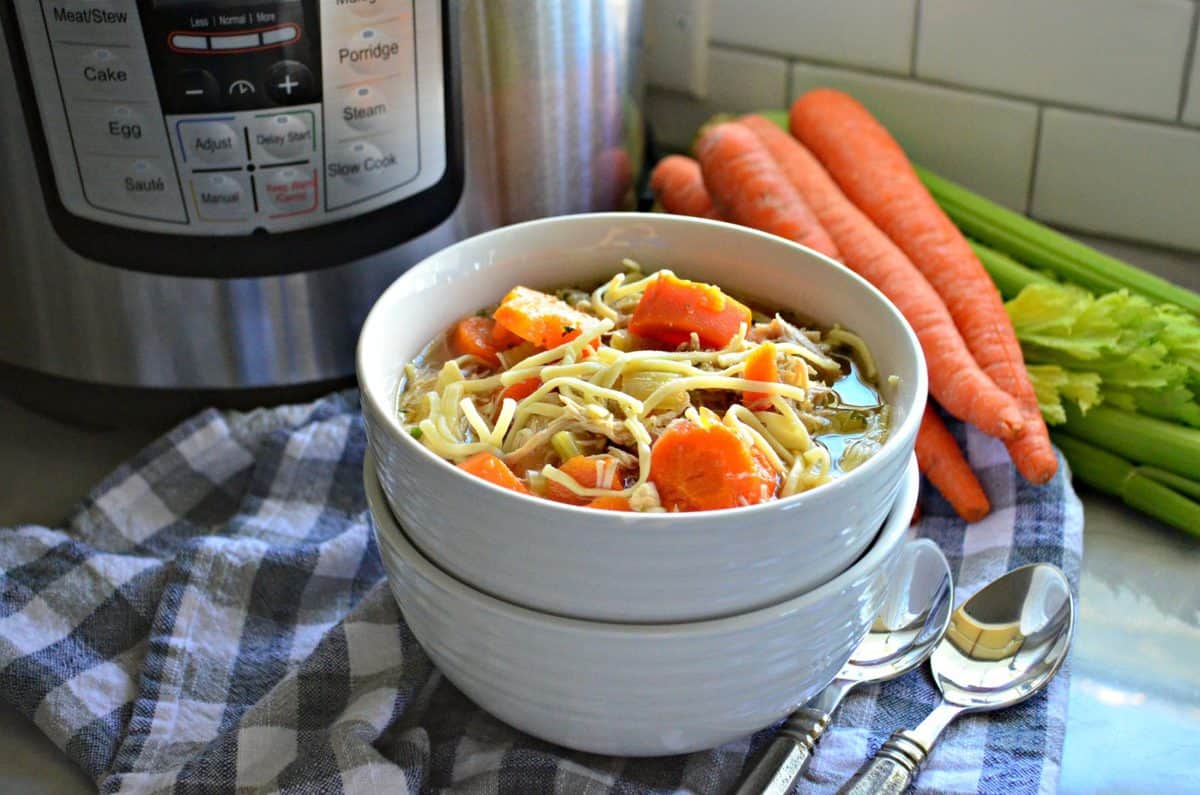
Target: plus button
[290, 82]
[287, 85]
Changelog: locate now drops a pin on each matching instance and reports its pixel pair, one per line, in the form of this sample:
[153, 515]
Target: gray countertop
[1134, 716]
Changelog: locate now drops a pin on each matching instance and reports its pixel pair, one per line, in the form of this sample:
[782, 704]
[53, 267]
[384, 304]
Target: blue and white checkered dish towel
[215, 618]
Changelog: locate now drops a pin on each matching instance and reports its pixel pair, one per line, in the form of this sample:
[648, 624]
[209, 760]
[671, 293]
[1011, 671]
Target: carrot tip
[974, 514]
[1008, 427]
[1037, 472]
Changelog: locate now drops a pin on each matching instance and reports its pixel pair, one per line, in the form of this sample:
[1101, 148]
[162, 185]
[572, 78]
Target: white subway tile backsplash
[675, 118]
[872, 33]
[984, 142]
[737, 82]
[1119, 178]
[676, 42]
[1125, 56]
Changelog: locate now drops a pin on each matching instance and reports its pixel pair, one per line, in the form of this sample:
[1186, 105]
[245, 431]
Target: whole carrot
[747, 188]
[875, 174]
[679, 187]
[954, 378]
[943, 463]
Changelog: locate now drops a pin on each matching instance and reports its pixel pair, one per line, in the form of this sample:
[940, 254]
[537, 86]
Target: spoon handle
[891, 771]
[788, 754]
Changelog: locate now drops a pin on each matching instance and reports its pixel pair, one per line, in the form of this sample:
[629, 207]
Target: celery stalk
[1017, 245]
[1042, 247]
[1143, 439]
[1010, 276]
[1180, 484]
[564, 444]
[1116, 476]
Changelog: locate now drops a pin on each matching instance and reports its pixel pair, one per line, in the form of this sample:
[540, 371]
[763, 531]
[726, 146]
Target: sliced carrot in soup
[542, 319]
[705, 468]
[503, 338]
[589, 471]
[473, 336]
[493, 470]
[521, 389]
[518, 391]
[760, 366]
[672, 309]
[610, 504]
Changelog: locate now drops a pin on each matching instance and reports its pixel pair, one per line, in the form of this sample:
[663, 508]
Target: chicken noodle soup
[648, 393]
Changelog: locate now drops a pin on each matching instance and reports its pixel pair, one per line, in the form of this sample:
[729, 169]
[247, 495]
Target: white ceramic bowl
[638, 689]
[616, 566]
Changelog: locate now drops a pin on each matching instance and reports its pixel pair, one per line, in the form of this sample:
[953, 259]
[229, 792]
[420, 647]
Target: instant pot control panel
[203, 117]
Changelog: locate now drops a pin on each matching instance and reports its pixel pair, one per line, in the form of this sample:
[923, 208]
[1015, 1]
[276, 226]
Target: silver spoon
[915, 612]
[1003, 645]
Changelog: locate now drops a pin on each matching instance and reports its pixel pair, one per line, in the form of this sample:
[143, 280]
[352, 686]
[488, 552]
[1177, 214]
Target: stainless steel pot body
[549, 94]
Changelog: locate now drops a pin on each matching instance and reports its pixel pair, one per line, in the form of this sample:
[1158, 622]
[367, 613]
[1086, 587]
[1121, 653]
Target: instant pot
[201, 199]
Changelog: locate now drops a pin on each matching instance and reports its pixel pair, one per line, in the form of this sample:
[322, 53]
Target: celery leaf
[1135, 354]
[1052, 383]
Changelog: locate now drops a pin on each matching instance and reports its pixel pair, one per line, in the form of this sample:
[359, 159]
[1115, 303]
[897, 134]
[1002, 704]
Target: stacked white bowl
[634, 634]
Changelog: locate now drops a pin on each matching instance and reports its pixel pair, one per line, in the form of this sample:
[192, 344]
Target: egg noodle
[612, 398]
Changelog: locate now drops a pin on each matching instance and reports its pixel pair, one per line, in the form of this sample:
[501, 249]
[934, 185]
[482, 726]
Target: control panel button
[117, 129]
[290, 83]
[94, 21]
[241, 41]
[242, 93]
[184, 41]
[145, 187]
[281, 35]
[364, 108]
[104, 71]
[361, 169]
[360, 163]
[210, 141]
[285, 136]
[222, 197]
[372, 51]
[291, 190]
[195, 90]
[144, 184]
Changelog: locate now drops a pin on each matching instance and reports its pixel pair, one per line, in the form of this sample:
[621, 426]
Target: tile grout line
[916, 38]
[1035, 161]
[866, 71]
[1189, 60]
[780, 55]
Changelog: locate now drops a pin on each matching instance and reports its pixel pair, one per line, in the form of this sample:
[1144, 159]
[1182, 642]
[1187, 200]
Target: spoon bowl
[912, 620]
[1004, 643]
